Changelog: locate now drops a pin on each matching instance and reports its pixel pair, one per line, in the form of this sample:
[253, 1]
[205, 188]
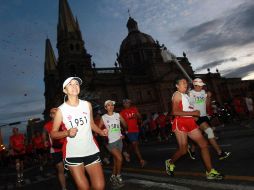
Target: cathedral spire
[50, 59]
[66, 21]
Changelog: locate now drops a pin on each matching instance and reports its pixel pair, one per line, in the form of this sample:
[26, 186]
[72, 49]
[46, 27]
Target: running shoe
[21, 178]
[114, 182]
[169, 168]
[112, 178]
[224, 155]
[18, 180]
[191, 154]
[213, 174]
[119, 180]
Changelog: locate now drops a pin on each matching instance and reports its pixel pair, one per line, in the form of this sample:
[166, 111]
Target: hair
[178, 78]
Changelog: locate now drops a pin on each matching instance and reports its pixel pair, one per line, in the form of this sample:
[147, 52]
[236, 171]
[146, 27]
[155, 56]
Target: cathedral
[141, 72]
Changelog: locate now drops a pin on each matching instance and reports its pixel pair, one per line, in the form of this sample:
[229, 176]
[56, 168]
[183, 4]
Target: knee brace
[209, 133]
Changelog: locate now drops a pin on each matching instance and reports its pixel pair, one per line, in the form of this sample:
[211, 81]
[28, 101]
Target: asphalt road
[189, 175]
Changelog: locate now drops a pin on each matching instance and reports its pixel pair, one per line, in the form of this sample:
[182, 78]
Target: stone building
[141, 73]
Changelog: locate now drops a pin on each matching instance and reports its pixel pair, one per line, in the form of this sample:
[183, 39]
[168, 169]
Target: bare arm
[55, 133]
[208, 99]
[101, 123]
[94, 127]
[177, 111]
[123, 122]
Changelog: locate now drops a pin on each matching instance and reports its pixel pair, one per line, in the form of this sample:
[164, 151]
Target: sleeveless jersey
[198, 101]
[83, 143]
[112, 123]
[184, 104]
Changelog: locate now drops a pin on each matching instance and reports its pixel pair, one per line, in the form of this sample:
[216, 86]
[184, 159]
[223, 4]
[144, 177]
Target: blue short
[133, 136]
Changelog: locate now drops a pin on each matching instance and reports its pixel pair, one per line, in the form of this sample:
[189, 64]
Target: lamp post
[167, 56]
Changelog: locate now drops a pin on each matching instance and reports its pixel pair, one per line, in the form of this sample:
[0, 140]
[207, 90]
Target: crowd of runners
[78, 140]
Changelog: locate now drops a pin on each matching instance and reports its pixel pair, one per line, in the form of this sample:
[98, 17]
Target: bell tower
[73, 58]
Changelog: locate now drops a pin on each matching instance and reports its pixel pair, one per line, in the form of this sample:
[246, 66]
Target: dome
[136, 38]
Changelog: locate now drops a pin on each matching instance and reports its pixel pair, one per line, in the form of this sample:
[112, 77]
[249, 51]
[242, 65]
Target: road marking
[156, 184]
[200, 183]
[174, 148]
[193, 174]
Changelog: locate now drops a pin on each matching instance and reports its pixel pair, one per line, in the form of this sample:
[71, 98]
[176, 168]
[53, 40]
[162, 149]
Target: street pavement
[189, 175]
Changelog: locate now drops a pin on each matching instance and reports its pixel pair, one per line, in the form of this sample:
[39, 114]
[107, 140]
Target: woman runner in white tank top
[112, 121]
[80, 151]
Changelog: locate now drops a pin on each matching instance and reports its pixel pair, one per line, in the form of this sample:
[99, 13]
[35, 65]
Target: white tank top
[83, 143]
[198, 101]
[112, 123]
[185, 103]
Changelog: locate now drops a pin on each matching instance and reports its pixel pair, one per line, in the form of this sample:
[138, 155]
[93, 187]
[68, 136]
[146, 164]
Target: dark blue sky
[213, 33]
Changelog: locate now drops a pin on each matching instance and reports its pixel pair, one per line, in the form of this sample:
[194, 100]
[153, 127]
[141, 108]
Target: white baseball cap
[109, 101]
[198, 82]
[68, 80]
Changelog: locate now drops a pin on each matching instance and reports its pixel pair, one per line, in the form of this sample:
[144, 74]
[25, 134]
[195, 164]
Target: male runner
[17, 143]
[199, 99]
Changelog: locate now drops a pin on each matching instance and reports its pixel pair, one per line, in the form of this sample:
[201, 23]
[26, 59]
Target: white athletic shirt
[83, 143]
[249, 103]
[185, 103]
[112, 123]
[198, 101]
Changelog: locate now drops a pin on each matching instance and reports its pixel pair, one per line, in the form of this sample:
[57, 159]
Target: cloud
[243, 71]
[235, 29]
[216, 63]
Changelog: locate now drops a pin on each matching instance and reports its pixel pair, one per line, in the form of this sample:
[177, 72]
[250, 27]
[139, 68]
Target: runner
[249, 105]
[131, 116]
[38, 143]
[80, 152]
[112, 121]
[17, 144]
[161, 122]
[199, 99]
[184, 126]
[56, 150]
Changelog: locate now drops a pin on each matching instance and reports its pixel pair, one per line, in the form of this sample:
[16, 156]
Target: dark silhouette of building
[140, 72]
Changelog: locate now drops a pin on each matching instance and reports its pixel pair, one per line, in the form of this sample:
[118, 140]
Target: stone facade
[141, 73]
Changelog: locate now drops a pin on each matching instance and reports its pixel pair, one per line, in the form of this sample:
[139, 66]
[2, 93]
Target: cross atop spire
[129, 13]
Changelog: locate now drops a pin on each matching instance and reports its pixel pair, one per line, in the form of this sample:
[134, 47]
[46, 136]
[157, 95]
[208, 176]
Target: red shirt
[56, 144]
[161, 120]
[18, 143]
[38, 142]
[152, 124]
[130, 116]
